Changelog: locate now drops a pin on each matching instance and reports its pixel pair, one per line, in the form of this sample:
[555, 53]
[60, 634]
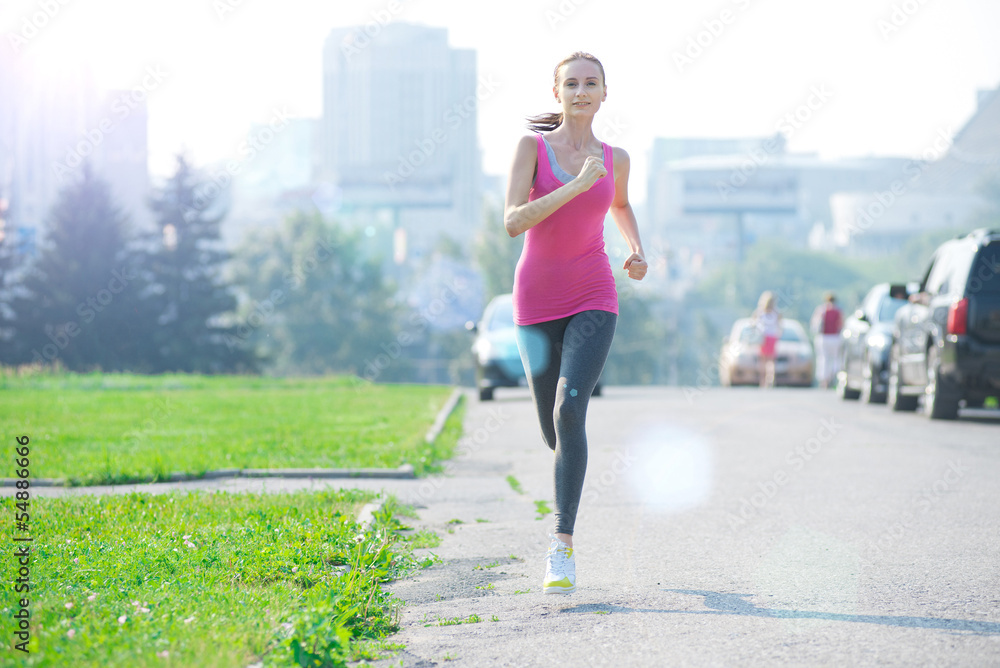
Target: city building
[940, 189]
[399, 136]
[274, 176]
[710, 199]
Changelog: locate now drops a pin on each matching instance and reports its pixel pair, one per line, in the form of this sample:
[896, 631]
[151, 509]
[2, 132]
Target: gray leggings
[564, 359]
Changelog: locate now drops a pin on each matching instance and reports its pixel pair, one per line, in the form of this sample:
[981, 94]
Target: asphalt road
[724, 527]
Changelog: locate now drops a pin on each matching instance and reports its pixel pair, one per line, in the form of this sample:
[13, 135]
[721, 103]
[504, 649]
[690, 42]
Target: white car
[739, 360]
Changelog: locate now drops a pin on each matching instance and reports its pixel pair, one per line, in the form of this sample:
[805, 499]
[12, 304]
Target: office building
[399, 136]
[712, 198]
[940, 189]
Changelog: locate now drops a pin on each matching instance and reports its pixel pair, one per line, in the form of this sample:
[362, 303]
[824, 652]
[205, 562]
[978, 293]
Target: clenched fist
[593, 169]
[636, 266]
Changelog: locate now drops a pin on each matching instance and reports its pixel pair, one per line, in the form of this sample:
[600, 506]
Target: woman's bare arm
[624, 217]
[521, 215]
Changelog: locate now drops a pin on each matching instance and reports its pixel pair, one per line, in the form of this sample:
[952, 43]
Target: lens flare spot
[672, 468]
[573, 392]
[534, 349]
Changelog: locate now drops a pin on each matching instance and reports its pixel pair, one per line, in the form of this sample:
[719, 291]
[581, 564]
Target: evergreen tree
[8, 267]
[192, 302]
[77, 302]
[316, 304]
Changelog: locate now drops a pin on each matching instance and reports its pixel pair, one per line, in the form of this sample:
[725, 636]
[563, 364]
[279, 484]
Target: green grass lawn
[203, 580]
[117, 428]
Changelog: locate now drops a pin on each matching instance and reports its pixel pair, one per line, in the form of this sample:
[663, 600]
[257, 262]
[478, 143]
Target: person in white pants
[826, 324]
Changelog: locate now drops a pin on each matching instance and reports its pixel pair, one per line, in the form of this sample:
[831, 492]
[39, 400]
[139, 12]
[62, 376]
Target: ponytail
[545, 122]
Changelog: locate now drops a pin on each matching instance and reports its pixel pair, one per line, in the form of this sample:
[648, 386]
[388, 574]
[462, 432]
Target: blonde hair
[766, 301]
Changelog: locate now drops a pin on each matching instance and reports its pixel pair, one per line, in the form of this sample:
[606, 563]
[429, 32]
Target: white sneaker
[560, 569]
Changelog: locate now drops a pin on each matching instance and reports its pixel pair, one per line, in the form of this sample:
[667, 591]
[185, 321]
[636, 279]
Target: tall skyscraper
[400, 133]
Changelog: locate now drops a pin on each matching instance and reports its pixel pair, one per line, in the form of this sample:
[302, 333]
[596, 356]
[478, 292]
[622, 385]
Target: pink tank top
[563, 268]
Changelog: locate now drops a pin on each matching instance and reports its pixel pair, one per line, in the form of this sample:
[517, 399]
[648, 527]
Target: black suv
[946, 343]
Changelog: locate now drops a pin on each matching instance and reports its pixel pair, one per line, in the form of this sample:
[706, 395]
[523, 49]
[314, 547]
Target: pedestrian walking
[563, 181]
[825, 324]
[768, 322]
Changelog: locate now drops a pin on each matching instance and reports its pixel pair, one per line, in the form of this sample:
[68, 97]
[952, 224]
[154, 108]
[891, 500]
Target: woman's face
[580, 89]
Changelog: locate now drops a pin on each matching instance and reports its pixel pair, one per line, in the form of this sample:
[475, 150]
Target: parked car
[497, 358]
[498, 361]
[794, 362]
[866, 339]
[946, 341]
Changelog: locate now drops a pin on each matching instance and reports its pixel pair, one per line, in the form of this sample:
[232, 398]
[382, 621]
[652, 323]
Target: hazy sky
[883, 77]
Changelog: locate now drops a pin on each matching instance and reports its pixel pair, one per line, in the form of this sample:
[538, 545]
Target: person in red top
[825, 323]
[562, 184]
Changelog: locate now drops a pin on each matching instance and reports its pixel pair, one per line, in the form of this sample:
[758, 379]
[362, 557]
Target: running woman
[563, 181]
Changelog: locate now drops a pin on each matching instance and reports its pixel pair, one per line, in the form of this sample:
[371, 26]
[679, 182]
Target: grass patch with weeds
[423, 539]
[201, 579]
